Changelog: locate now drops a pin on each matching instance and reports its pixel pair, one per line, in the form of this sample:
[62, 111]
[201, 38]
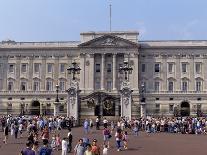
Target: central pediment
[108, 41]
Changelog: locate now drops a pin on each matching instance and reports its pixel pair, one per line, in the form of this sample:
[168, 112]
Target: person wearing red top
[95, 148]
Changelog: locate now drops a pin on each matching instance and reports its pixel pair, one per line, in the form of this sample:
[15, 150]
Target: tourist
[28, 150]
[125, 140]
[64, 146]
[6, 133]
[106, 136]
[91, 125]
[105, 150]
[86, 126]
[45, 150]
[97, 123]
[118, 137]
[16, 130]
[58, 141]
[35, 147]
[70, 140]
[53, 142]
[95, 148]
[20, 129]
[105, 123]
[88, 150]
[79, 148]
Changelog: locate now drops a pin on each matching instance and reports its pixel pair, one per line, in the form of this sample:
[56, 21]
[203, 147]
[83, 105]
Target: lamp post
[143, 104]
[56, 103]
[126, 69]
[57, 90]
[74, 69]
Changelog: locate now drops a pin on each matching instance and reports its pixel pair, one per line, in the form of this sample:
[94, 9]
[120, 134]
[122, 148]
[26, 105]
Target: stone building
[168, 77]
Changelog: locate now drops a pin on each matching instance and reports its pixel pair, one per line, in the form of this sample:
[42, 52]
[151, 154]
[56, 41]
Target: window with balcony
[157, 68]
[36, 86]
[170, 86]
[198, 86]
[62, 85]
[10, 86]
[23, 68]
[171, 108]
[157, 108]
[184, 67]
[23, 86]
[184, 86]
[49, 85]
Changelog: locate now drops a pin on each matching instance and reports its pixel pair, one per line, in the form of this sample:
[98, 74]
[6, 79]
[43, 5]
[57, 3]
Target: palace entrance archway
[185, 109]
[35, 108]
[103, 103]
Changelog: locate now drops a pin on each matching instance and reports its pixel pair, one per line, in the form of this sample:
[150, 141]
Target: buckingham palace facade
[168, 77]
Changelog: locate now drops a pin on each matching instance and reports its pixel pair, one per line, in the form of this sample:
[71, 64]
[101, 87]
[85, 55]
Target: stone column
[102, 70]
[114, 72]
[41, 105]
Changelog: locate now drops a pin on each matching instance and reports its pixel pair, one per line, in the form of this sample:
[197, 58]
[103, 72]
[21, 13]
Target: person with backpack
[118, 136]
[45, 150]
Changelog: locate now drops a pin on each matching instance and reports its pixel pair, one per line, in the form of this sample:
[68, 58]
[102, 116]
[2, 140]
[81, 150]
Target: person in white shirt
[64, 146]
[105, 150]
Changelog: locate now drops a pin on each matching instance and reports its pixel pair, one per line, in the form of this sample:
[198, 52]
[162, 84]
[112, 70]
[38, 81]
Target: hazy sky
[64, 20]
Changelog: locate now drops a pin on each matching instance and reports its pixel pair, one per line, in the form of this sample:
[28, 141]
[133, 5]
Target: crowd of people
[46, 131]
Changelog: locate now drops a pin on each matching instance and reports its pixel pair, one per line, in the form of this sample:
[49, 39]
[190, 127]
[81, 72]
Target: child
[105, 150]
[125, 139]
[58, 141]
[53, 143]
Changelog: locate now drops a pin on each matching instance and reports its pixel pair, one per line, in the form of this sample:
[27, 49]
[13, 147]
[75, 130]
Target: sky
[64, 20]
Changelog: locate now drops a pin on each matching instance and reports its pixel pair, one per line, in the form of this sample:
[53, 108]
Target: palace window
[184, 67]
[170, 86]
[198, 86]
[11, 68]
[157, 108]
[184, 86]
[157, 67]
[97, 85]
[198, 68]
[36, 86]
[23, 68]
[62, 85]
[36, 67]
[98, 68]
[10, 86]
[49, 85]
[23, 86]
[62, 68]
[157, 86]
[109, 66]
[109, 85]
[49, 68]
[170, 67]
[143, 68]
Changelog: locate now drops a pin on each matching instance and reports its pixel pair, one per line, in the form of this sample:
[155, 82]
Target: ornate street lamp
[142, 92]
[57, 90]
[126, 69]
[74, 69]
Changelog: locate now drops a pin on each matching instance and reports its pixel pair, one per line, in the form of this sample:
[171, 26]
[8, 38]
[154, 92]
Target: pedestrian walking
[64, 146]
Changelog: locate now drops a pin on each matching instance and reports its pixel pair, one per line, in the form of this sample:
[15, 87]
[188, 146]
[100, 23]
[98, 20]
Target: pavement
[143, 144]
